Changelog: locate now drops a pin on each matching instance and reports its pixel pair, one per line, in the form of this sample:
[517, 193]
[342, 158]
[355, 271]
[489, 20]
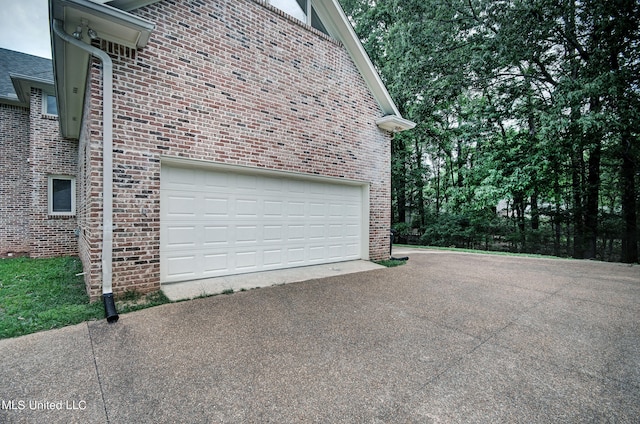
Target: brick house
[217, 137]
[35, 162]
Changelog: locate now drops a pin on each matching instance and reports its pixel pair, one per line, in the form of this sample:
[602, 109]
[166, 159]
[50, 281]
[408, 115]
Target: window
[49, 105]
[62, 195]
[316, 22]
[301, 10]
[295, 8]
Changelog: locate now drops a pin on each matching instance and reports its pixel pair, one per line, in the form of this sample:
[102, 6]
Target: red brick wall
[237, 82]
[14, 184]
[31, 150]
[49, 154]
[89, 190]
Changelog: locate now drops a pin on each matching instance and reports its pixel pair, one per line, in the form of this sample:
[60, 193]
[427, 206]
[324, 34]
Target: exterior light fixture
[92, 33]
[77, 34]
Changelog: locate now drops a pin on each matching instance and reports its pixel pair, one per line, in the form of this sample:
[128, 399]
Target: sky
[24, 26]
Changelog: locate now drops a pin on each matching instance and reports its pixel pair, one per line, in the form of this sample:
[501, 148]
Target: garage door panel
[295, 209]
[295, 232]
[246, 208]
[275, 185]
[246, 260]
[246, 234]
[181, 236]
[272, 233]
[352, 211]
[217, 180]
[295, 255]
[337, 210]
[352, 230]
[273, 208]
[246, 182]
[216, 223]
[273, 258]
[336, 251]
[181, 205]
[179, 267]
[317, 190]
[216, 207]
[179, 178]
[216, 235]
[317, 232]
[215, 263]
[317, 252]
[352, 250]
[336, 231]
[317, 210]
[296, 186]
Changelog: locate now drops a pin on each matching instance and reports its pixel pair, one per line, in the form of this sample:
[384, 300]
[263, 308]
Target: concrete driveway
[449, 337]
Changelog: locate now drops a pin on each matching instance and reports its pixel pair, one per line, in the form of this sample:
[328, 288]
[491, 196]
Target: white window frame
[50, 179]
[308, 16]
[306, 13]
[45, 109]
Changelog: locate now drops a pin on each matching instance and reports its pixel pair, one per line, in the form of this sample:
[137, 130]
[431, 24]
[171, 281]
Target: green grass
[389, 263]
[41, 294]
[134, 301]
[485, 252]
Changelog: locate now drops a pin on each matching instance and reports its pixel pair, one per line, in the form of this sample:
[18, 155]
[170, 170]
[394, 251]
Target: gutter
[107, 166]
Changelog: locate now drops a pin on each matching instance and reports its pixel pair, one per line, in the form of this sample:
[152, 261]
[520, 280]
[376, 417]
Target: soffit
[71, 63]
[128, 5]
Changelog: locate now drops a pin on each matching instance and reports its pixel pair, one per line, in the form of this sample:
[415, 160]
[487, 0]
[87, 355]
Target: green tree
[532, 102]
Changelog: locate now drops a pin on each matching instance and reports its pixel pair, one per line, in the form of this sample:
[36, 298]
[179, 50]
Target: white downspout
[107, 166]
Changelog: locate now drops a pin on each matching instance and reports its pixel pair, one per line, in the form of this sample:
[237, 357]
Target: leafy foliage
[528, 114]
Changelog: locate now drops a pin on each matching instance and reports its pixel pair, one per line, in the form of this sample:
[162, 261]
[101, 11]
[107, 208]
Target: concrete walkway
[449, 337]
[211, 286]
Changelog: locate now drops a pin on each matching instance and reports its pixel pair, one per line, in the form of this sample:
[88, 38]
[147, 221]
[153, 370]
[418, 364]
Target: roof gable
[20, 71]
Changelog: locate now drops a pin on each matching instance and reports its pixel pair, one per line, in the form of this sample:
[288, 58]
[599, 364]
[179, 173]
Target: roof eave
[71, 64]
[13, 101]
[395, 123]
[129, 5]
[23, 84]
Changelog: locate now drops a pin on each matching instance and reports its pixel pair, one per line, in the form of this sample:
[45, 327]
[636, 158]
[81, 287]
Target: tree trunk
[419, 183]
[437, 166]
[535, 213]
[533, 135]
[398, 151]
[558, 212]
[626, 115]
[575, 135]
[459, 164]
[576, 188]
[519, 205]
[591, 210]
[629, 207]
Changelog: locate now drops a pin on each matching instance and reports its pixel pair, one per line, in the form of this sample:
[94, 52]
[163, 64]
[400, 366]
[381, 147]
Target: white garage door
[223, 222]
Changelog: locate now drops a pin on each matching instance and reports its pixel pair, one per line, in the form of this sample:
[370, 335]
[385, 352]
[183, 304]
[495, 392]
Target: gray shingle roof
[12, 62]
